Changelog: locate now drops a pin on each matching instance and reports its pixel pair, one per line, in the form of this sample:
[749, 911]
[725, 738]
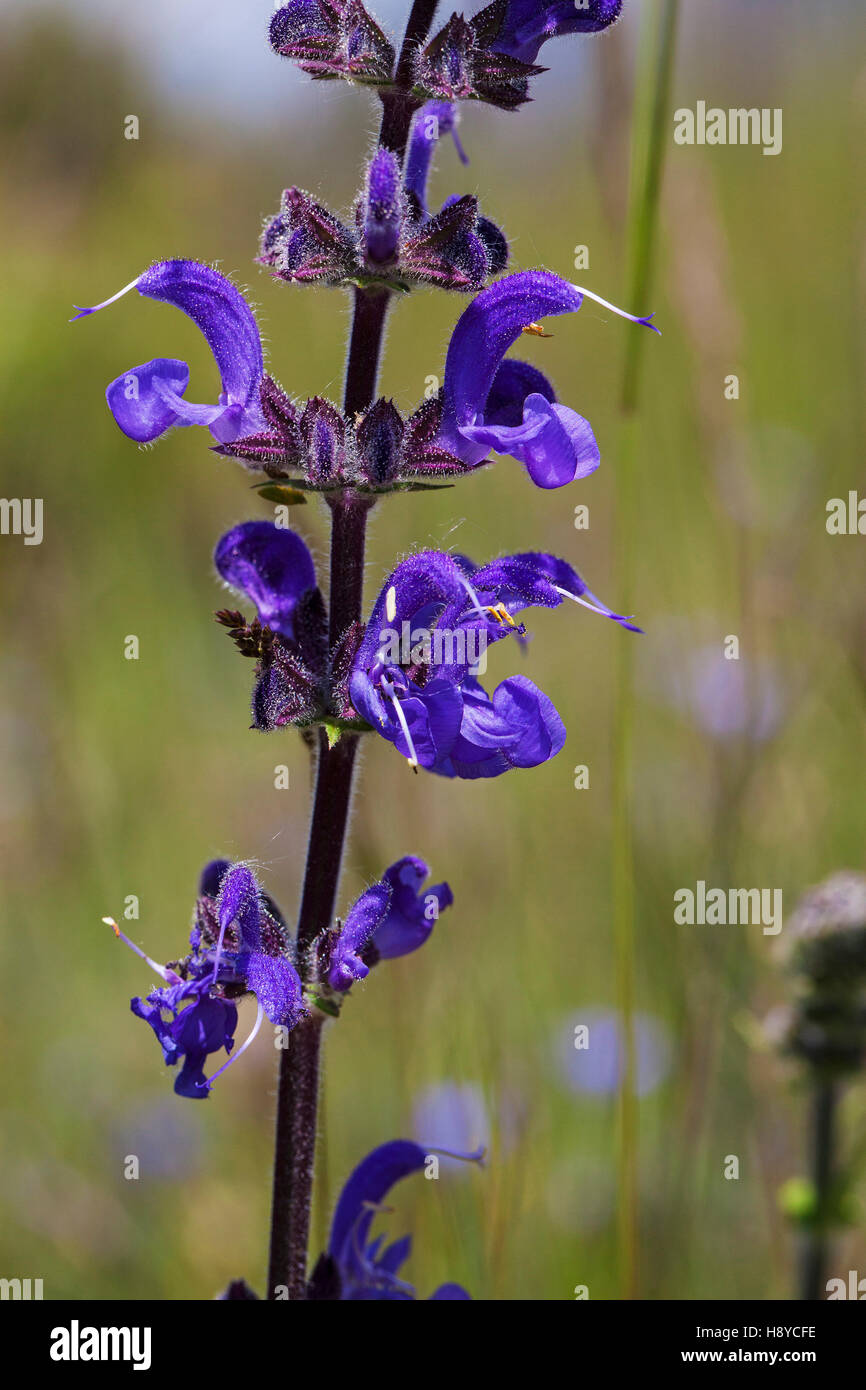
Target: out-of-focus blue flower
[165, 1138]
[429, 703]
[148, 400]
[392, 918]
[590, 1052]
[725, 697]
[239, 944]
[354, 1268]
[490, 402]
[456, 1113]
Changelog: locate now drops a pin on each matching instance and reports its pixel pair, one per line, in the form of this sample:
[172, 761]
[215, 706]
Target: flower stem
[398, 103]
[650, 114]
[814, 1260]
[298, 1085]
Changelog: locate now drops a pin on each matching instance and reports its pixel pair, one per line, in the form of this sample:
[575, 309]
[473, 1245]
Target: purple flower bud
[382, 208]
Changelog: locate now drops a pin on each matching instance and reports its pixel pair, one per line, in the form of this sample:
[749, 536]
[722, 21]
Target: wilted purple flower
[239, 944]
[392, 918]
[507, 405]
[530, 23]
[590, 1051]
[147, 400]
[354, 1268]
[430, 704]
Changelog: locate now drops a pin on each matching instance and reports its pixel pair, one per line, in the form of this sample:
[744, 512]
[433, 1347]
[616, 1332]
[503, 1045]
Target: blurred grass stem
[649, 136]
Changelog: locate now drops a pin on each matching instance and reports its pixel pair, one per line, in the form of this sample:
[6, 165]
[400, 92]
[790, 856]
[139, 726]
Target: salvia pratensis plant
[409, 670]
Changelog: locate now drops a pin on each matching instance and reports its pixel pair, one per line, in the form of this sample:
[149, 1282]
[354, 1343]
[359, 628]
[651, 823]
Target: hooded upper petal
[366, 1270]
[530, 23]
[271, 566]
[485, 331]
[511, 407]
[148, 400]
[366, 1187]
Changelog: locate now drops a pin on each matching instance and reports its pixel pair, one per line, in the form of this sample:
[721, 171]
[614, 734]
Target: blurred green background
[123, 777]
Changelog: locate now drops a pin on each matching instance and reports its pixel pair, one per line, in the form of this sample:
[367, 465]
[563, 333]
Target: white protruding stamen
[82, 313]
[391, 604]
[476, 602]
[623, 314]
[597, 607]
[241, 1050]
[389, 691]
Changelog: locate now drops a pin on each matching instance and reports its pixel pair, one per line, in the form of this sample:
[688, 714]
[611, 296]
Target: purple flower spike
[271, 566]
[356, 1269]
[148, 400]
[509, 406]
[530, 23]
[238, 944]
[393, 918]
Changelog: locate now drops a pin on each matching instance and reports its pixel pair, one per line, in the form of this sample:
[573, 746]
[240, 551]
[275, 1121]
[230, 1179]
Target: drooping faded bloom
[148, 400]
[392, 918]
[239, 944]
[355, 1268]
[493, 402]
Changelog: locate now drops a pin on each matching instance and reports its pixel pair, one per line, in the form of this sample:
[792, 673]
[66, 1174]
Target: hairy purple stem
[298, 1085]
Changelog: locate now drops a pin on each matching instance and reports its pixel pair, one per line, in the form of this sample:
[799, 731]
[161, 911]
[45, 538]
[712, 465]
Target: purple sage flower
[428, 702]
[411, 674]
[239, 944]
[354, 1268]
[392, 918]
[530, 23]
[490, 402]
[148, 400]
